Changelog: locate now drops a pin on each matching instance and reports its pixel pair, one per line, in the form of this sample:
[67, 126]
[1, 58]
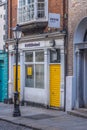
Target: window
[29, 57]
[40, 9]
[4, 7]
[29, 1]
[34, 69]
[31, 10]
[55, 56]
[4, 17]
[4, 27]
[21, 3]
[39, 72]
[85, 37]
[39, 56]
[0, 15]
[4, 37]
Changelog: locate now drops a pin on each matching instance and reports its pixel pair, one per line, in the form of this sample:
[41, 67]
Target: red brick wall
[54, 6]
[12, 16]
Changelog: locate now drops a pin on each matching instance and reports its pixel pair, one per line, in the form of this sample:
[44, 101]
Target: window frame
[57, 54]
[34, 63]
[24, 16]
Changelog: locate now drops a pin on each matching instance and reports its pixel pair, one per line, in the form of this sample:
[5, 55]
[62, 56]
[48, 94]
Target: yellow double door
[14, 74]
[55, 80]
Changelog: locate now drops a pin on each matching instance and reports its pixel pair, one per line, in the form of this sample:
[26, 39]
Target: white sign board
[54, 20]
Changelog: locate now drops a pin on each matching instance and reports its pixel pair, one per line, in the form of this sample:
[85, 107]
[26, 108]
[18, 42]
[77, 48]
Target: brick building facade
[54, 6]
[12, 16]
[41, 51]
[73, 17]
[76, 55]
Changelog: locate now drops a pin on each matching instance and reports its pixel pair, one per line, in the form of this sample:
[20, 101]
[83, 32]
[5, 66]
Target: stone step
[82, 110]
[78, 113]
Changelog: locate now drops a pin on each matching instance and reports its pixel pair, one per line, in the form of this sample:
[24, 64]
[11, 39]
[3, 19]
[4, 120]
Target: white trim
[46, 74]
[46, 9]
[59, 43]
[62, 78]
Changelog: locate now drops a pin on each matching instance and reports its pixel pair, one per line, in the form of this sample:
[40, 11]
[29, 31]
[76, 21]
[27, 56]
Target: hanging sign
[54, 20]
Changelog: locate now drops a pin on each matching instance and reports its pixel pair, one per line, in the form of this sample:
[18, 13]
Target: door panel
[55, 76]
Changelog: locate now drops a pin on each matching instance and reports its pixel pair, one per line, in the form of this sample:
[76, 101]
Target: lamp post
[17, 36]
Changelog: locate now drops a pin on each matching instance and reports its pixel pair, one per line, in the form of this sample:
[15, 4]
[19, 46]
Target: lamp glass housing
[17, 32]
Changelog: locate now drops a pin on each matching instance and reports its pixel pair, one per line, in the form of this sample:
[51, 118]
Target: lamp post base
[16, 111]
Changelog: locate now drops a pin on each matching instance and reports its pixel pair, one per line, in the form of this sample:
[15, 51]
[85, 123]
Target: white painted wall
[10, 82]
[62, 76]
[35, 95]
[69, 93]
[2, 23]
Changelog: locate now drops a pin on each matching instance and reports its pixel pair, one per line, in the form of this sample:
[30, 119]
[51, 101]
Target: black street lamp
[17, 36]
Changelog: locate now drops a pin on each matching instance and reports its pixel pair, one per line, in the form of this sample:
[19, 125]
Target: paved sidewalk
[42, 119]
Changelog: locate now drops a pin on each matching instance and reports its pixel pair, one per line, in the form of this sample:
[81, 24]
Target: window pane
[21, 3]
[29, 57]
[55, 56]
[30, 1]
[39, 56]
[41, 8]
[40, 0]
[29, 76]
[85, 37]
[39, 74]
[26, 10]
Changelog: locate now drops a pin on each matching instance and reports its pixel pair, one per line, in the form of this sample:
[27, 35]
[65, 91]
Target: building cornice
[45, 36]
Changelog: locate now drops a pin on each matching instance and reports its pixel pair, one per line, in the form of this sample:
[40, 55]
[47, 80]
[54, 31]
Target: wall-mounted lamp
[5, 47]
[52, 43]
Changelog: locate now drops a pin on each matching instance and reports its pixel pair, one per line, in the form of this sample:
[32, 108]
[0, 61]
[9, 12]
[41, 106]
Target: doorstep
[81, 112]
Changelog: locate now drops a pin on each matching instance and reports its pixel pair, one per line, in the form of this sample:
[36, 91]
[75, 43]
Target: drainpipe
[6, 33]
[65, 28]
[65, 70]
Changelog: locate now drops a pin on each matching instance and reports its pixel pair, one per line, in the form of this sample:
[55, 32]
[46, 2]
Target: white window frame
[35, 18]
[36, 63]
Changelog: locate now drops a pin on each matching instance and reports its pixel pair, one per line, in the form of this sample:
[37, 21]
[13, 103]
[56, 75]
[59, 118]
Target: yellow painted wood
[14, 72]
[55, 79]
